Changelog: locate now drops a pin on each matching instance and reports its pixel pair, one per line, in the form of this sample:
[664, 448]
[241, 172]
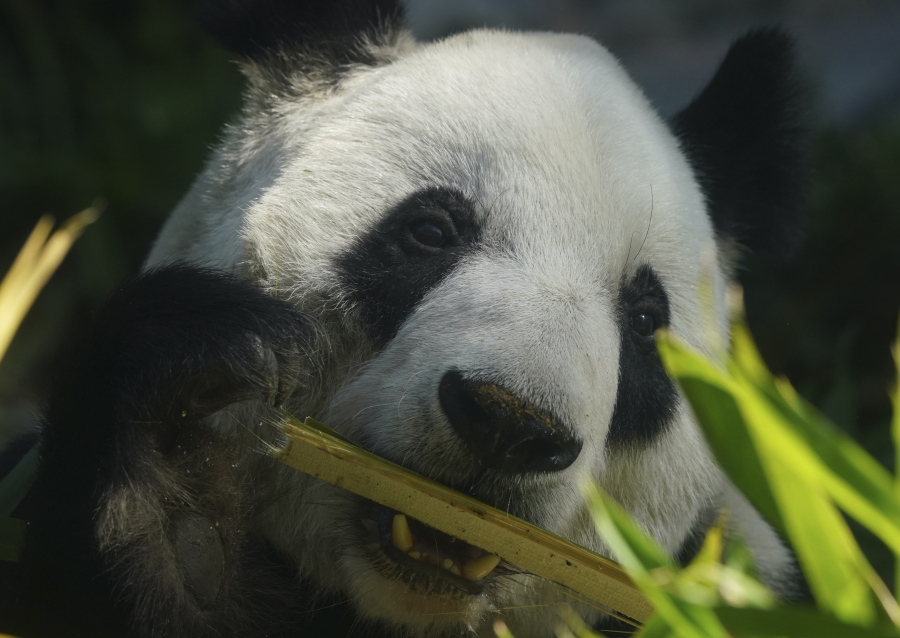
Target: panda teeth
[451, 567]
[401, 534]
[475, 569]
[472, 569]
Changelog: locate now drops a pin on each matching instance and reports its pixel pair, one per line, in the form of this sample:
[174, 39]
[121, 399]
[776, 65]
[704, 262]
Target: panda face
[486, 231]
[519, 220]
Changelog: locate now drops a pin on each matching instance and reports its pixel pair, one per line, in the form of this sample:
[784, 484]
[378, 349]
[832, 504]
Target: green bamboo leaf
[786, 452]
[645, 561]
[723, 569]
[718, 414]
[831, 559]
[794, 622]
[635, 549]
[717, 411]
[837, 570]
[851, 476]
[713, 547]
[859, 484]
[745, 357]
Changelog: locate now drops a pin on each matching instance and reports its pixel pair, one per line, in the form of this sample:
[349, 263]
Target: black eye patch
[646, 398]
[411, 249]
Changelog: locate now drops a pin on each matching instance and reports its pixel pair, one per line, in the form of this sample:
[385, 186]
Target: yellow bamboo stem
[314, 449]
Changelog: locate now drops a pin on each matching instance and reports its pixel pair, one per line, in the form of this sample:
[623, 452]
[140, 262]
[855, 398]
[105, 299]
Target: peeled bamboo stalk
[318, 451]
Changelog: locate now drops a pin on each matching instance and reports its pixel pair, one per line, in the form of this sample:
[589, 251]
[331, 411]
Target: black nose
[503, 431]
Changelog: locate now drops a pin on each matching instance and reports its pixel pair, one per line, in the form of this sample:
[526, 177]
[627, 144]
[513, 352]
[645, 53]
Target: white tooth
[475, 569]
[455, 570]
[401, 534]
[448, 563]
[416, 555]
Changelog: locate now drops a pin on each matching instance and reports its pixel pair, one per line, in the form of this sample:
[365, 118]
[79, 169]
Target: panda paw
[133, 466]
[182, 342]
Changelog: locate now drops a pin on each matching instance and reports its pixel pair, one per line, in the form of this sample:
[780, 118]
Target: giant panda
[456, 254]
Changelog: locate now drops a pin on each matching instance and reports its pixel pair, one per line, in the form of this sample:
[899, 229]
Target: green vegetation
[805, 475]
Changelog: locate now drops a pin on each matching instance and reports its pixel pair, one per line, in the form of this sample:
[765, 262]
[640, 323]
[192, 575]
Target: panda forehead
[544, 133]
[538, 101]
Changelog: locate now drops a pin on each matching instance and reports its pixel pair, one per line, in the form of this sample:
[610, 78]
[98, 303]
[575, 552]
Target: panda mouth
[420, 549]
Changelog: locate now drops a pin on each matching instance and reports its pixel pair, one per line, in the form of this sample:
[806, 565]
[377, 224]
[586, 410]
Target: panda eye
[428, 234]
[643, 324]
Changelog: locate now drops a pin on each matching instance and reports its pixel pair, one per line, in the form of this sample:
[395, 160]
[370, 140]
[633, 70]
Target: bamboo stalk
[318, 451]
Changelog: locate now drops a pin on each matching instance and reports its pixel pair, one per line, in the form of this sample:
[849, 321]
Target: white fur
[577, 183]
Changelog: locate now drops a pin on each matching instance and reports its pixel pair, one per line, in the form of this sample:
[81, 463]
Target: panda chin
[388, 584]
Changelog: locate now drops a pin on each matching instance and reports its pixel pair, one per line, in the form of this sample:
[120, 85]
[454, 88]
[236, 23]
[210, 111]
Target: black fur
[646, 398]
[388, 272]
[747, 137]
[256, 28]
[130, 415]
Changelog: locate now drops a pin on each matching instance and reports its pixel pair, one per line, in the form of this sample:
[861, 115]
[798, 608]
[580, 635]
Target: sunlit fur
[577, 183]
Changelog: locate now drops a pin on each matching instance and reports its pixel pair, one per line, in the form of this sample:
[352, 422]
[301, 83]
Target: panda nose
[504, 432]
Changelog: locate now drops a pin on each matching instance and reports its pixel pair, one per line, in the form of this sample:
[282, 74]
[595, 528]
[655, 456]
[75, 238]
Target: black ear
[747, 138]
[255, 28]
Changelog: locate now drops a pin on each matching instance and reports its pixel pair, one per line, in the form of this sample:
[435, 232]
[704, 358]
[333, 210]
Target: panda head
[487, 230]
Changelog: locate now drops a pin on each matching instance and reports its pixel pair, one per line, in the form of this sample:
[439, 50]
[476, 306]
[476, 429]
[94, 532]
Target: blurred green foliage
[112, 99]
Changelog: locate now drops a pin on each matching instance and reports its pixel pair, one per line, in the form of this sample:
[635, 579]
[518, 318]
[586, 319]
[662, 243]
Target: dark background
[123, 99]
